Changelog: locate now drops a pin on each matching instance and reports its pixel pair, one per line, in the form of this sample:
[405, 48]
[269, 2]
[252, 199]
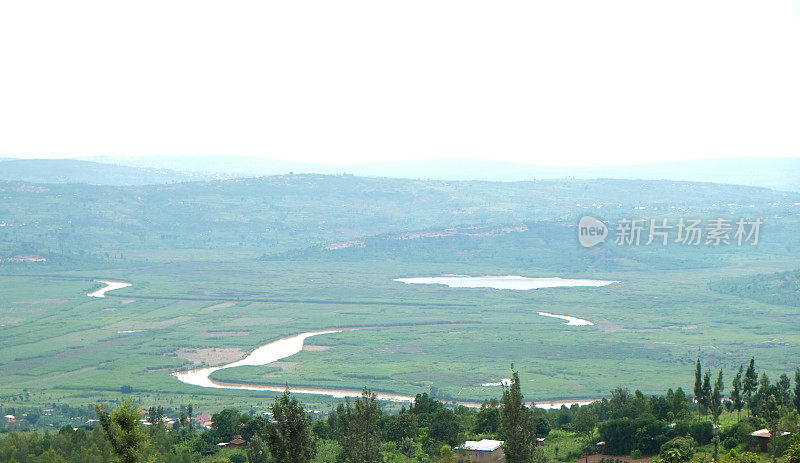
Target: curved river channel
[290, 345]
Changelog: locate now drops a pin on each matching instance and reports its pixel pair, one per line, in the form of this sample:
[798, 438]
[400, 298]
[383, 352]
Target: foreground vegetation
[669, 427]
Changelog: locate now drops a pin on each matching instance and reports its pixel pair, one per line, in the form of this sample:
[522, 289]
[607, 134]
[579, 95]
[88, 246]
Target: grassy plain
[234, 265]
[58, 344]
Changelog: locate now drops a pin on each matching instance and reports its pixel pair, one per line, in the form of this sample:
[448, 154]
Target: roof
[485, 445]
[237, 441]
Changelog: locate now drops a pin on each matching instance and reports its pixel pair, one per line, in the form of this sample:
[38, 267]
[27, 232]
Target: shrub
[730, 443]
[636, 454]
[679, 448]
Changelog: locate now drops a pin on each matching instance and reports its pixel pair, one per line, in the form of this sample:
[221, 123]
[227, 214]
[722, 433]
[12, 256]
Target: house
[762, 437]
[237, 442]
[202, 418]
[480, 451]
[10, 418]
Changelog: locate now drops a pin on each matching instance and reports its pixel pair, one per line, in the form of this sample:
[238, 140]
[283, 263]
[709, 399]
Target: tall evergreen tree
[749, 385]
[706, 391]
[736, 393]
[698, 387]
[516, 423]
[362, 440]
[289, 438]
[797, 390]
[784, 392]
[715, 403]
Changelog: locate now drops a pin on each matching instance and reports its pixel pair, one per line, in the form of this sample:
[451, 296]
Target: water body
[290, 345]
[571, 321]
[510, 282]
[111, 285]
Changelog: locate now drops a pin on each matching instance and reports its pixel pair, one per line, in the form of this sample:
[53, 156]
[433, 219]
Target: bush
[685, 447]
[636, 454]
[702, 432]
[730, 443]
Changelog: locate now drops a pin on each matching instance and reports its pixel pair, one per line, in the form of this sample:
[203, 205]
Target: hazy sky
[556, 82]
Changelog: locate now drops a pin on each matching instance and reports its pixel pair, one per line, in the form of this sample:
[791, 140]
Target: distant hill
[93, 173]
[777, 288]
[279, 213]
[775, 173]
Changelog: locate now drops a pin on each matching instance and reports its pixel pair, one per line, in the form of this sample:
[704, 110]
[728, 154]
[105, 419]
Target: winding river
[571, 321]
[111, 285]
[290, 345]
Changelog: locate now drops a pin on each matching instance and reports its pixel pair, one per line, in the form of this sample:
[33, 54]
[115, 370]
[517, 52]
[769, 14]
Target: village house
[236, 442]
[480, 451]
[762, 437]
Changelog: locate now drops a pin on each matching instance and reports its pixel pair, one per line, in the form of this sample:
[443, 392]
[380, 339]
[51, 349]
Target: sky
[566, 82]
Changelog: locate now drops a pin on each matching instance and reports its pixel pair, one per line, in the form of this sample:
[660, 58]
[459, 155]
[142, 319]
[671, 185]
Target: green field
[189, 301]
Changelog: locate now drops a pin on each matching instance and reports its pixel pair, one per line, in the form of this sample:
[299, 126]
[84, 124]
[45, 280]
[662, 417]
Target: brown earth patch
[218, 334]
[315, 348]
[609, 327]
[286, 366]
[211, 355]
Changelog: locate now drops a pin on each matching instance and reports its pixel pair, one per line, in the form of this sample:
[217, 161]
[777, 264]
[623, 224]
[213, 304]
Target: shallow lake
[512, 282]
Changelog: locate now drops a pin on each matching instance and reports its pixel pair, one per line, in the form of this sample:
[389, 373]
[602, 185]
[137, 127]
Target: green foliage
[678, 447]
[122, 429]
[289, 438]
[792, 452]
[362, 443]
[515, 422]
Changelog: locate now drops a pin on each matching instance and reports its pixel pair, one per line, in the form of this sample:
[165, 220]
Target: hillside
[776, 173]
[93, 173]
[279, 213]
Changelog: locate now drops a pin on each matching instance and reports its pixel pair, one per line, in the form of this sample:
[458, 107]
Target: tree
[400, 426]
[362, 440]
[126, 435]
[736, 393]
[445, 427]
[488, 418]
[516, 423]
[227, 423]
[749, 384]
[784, 390]
[715, 403]
[797, 390]
[698, 386]
[792, 453]
[585, 421]
[256, 451]
[679, 405]
[289, 439]
[706, 391]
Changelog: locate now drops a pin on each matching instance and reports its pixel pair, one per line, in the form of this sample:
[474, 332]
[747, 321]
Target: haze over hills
[93, 173]
[776, 173]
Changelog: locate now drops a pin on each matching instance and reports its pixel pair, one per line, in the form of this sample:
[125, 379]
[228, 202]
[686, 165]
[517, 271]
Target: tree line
[675, 427]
